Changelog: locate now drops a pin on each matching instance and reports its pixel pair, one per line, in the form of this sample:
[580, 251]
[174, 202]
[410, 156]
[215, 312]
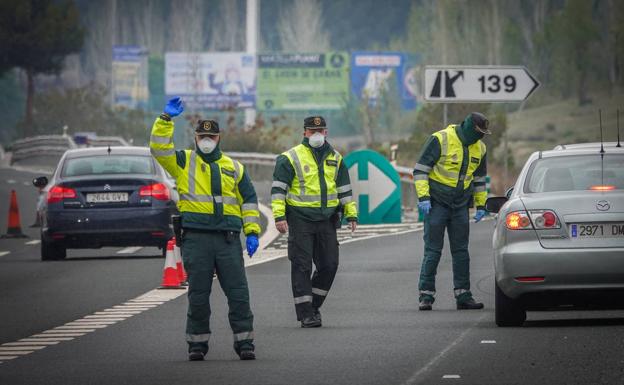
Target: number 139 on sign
[494, 83]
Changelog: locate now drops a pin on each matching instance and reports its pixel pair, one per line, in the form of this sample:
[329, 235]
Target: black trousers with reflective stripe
[311, 242]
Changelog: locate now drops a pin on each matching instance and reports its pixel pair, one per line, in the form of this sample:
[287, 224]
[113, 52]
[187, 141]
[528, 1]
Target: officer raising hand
[217, 199]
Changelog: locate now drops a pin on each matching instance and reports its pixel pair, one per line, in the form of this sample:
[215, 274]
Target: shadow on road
[575, 322]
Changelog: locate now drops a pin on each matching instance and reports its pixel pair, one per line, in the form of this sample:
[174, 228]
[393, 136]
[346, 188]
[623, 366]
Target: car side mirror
[509, 192]
[494, 204]
[40, 182]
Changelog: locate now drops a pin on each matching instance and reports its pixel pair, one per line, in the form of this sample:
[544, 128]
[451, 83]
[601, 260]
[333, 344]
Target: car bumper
[123, 227]
[564, 270]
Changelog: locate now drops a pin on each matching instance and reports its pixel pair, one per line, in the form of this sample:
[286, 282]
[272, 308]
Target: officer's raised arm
[161, 139]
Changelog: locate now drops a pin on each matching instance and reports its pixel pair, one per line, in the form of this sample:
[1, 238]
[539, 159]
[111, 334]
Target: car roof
[577, 151]
[574, 146]
[114, 150]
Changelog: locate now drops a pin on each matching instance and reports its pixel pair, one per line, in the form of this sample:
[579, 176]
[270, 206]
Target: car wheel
[508, 311]
[52, 251]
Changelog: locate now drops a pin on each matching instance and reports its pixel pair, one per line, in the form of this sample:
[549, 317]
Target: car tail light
[602, 188]
[529, 279]
[157, 191]
[545, 219]
[518, 220]
[58, 193]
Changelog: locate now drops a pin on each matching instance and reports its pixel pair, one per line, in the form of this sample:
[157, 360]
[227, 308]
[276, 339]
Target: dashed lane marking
[33, 242]
[87, 324]
[3, 253]
[448, 376]
[11, 181]
[130, 250]
[488, 342]
[154, 298]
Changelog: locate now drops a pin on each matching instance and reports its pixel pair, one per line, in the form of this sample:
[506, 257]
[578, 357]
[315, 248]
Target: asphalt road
[372, 331]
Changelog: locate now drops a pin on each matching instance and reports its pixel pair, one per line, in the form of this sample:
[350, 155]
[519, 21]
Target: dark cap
[314, 122]
[207, 127]
[480, 122]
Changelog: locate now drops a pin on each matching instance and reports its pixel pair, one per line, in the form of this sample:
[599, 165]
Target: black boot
[317, 314]
[245, 352]
[196, 355]
[311, 322]
[425, 304]
[469, 304]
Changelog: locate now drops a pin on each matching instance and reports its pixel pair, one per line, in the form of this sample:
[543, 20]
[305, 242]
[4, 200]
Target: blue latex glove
[174, 107]
[424, 207]
[479, 215]
[252, 244]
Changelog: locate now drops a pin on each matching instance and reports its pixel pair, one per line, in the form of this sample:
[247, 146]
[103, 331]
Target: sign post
[376, 187]
[474, 84]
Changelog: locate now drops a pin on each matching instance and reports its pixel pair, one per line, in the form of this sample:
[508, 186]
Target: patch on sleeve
[331, 162]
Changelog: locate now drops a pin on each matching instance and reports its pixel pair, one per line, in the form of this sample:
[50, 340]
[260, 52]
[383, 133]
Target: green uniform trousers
[457, 223]
[310, 242]
[203, 253]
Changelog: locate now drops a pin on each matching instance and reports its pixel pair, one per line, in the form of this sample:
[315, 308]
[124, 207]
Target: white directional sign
[378, 186]
[478, 84]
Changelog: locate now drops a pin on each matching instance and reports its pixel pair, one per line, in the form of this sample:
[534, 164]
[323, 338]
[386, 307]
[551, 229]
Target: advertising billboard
[303, 81]
[211, 80]
[130, 76]
[371, 73]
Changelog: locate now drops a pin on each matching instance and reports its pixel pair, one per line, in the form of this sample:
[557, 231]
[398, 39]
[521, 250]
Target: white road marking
[37, 342]
[59, 335]
[144, 303]
[134, 306]
[418, 375]
[33, 242]
[451, 376]
[55, 339]
[56, 332]
[129, 250]
[3, 253]
[99, 325]
[20, 348]
[488, 342]
[7, 357]
[26, 183]
[11, 181]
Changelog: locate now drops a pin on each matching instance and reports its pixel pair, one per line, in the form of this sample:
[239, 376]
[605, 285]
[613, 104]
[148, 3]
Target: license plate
[597, 230]
[107, 197]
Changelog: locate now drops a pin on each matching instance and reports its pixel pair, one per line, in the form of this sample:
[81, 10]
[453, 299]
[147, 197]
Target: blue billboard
[371, 73]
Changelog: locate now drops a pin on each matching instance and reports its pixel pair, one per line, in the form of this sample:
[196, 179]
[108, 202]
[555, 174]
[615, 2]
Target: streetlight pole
[253, 7]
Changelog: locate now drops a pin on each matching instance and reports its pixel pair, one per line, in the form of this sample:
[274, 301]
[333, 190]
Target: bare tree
[186, 33]
[227, 33]
[301, 27]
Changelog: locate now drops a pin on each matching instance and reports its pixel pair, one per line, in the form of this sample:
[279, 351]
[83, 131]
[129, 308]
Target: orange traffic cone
[170, 275]
[14, 228]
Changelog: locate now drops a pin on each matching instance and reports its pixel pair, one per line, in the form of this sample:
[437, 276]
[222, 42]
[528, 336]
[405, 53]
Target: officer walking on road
[310, 191]
[450, 177]
[217, 198]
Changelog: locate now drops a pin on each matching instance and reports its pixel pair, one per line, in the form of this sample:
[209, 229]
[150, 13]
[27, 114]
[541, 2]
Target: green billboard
[302, 81]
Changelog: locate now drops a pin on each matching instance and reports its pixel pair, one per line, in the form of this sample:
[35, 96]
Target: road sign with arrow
[450, 84]
[376, 187]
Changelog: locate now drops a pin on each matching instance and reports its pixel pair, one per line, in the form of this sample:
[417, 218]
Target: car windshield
[108, 164]
[578, 172]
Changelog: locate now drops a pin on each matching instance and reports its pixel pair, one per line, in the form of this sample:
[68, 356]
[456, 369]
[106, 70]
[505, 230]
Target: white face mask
[317, 140]
[207, 145]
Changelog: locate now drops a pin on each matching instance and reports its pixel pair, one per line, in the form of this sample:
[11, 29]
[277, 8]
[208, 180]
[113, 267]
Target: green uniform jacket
[453, 197]
[285, 173]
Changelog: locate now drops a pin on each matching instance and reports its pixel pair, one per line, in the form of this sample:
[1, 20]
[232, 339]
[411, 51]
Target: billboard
[211, 80]
[130, 76]
[371, 73]
[303, 81]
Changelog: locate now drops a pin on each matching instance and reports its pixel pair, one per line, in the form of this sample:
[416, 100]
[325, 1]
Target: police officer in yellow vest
[450, 177]
[217, 198]
[310, 191]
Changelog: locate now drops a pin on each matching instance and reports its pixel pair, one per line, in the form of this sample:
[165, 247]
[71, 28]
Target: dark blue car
[117, 196]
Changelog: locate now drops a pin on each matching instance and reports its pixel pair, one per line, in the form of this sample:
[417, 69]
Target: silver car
[559, 234]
